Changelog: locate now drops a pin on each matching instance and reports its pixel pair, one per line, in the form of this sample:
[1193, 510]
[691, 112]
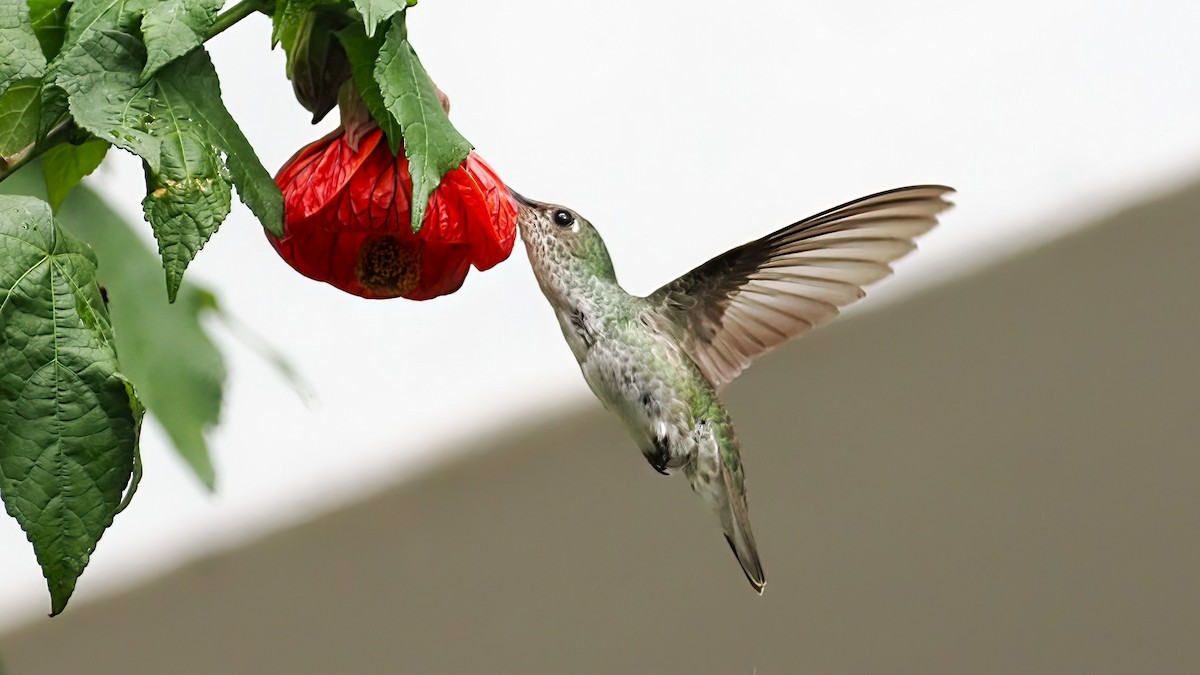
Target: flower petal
[347, 221]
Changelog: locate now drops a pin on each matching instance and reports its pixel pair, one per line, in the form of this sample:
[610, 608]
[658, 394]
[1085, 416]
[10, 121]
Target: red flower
[347, 220]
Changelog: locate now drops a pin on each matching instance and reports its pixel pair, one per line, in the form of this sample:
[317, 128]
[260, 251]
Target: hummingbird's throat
[385, 264]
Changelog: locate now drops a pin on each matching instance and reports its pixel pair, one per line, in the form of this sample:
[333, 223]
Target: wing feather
[744, 303]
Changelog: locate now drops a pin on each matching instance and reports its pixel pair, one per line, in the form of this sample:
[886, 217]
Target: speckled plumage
[657, 362]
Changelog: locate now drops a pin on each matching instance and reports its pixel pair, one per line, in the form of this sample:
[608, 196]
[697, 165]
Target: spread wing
[746, 302]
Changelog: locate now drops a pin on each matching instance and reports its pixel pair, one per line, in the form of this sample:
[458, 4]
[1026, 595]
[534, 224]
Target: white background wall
[680, 130]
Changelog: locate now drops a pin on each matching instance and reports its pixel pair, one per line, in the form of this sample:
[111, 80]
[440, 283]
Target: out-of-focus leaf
[20, 117]
[20, 53]
[183, 393]
[69, 420]
[65, 165]
[375, 12]
[431, 143]
[178, 124]
[173, 28]
[363, 52]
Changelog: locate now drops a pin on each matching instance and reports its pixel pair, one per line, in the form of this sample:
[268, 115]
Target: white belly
[647, 401]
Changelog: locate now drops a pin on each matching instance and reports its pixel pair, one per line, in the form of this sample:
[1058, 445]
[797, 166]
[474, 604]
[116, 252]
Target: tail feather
[741, 540]
[735, 520]
[716, 475]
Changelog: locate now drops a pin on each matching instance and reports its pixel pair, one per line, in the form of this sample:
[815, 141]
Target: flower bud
[317, 65]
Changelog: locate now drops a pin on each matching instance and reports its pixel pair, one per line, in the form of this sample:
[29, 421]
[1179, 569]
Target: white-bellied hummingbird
[657, 362]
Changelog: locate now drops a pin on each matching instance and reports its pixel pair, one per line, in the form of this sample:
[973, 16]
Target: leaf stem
[233, 15]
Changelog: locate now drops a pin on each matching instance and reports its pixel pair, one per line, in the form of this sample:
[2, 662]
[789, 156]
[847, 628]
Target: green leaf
[54, 109]
[20, 117]
[178, 124]
[69, 421]
[96, 63]
[173, 28]
[88, 19]
[288, 16]
[195, 80]
[40, 9]
[49, 18]
[65, 165]
[183, 394]
[431, 143]
[375, 12]
[188, 204]
[28, 111]
[189, 195]
[363, 53]
[20, 53]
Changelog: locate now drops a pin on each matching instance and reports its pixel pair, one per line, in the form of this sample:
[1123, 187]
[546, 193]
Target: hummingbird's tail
[735, 520]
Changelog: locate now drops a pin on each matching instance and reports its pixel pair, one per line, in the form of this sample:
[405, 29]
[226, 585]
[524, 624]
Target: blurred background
[988, 466]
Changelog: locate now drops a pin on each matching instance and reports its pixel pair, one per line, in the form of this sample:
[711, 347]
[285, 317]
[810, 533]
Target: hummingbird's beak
[521, 199]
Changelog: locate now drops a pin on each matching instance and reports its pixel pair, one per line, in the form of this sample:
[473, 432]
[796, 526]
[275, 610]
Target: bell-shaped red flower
[347, 220]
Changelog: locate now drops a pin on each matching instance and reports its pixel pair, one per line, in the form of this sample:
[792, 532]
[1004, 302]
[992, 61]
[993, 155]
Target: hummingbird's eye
[563, 218]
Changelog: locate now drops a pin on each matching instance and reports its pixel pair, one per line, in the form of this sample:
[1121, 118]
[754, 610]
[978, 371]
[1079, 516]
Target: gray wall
[999, 476]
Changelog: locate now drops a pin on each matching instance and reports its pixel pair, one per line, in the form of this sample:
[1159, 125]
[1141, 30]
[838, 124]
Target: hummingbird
[658, 362]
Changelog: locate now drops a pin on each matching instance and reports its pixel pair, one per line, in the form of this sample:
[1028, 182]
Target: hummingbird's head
[560, 240]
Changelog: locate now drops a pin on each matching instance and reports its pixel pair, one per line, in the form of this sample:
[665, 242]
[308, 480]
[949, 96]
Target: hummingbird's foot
[661, 457]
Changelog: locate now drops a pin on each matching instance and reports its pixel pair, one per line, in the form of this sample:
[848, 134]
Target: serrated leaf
[195, 80]
[431, 143]
[107, 98]
[375, 12]
[187, 210]
[178, 124]
[184, 395]
[100, 51]
[63, 166]
[363, 52]
[90, 18]
[20, 117]
[20, 53]
[157, 125]
[69, 422]
[172, 28]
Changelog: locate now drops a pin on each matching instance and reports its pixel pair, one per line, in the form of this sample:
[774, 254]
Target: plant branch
[58, 135]
[233, 15]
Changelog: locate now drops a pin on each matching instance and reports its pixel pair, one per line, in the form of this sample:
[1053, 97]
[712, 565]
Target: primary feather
[749, 300]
